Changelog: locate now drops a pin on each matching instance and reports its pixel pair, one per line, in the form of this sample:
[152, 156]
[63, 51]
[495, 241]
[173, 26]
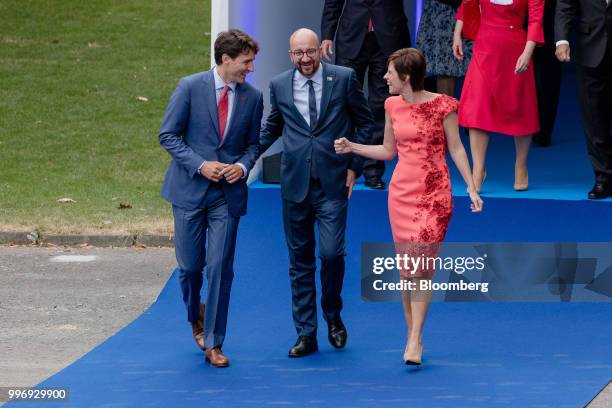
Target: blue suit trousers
[299, 222]
[193, 228]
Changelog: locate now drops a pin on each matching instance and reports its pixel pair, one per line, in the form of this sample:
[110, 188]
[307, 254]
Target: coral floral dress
[420, 199]
[494, 98]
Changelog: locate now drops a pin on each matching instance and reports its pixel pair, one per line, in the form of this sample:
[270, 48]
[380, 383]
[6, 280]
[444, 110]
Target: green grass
[70, 121]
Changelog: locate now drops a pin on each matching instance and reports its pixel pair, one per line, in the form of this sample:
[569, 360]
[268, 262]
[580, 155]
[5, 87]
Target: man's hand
[563, 52]
[350, 182]
[327, 49]
[232, 173]
[212, 170]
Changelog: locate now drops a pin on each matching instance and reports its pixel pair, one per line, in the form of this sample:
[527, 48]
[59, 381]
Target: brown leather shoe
[216, 358]
[197, 329]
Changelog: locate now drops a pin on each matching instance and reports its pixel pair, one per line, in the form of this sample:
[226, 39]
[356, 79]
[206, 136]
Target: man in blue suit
[311, 106]
[211, 131]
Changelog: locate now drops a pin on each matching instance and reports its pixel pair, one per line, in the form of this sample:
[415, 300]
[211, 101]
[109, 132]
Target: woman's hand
[523, 62]
[458, 47]
[477, 203]
[343, 146]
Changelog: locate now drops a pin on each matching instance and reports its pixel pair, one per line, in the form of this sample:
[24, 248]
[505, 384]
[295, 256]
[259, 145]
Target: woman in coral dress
[499, 92]
[419, 126]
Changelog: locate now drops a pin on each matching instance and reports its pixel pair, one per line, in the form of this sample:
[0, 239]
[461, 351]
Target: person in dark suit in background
[548, 78]
[211, 131]
[366, 33]
[311, 105]
[594, 74]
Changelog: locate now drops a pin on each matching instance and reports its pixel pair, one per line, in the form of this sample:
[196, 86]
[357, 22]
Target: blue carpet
[476, 354]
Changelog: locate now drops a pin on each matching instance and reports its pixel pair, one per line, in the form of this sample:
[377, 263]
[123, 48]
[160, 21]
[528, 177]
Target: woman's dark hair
[410, 62]
[233, 43]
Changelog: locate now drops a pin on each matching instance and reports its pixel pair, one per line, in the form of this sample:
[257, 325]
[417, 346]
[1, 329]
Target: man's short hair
[411, 62]
[233, 43]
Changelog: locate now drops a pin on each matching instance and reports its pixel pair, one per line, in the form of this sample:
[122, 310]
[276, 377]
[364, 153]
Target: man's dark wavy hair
[233, 43]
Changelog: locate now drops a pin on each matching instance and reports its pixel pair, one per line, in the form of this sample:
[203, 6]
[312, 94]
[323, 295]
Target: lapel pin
[330, 78]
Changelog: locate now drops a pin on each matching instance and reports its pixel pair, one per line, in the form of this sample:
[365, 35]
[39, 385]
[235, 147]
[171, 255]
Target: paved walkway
[54, 310]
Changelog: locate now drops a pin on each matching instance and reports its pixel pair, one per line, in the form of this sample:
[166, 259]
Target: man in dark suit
[594, 74]
[548, 78]
[311, 106]
[211, 131]
[366, 33]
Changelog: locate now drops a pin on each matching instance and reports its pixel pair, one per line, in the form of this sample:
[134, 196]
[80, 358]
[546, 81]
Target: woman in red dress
[419, 125]
[499, 92]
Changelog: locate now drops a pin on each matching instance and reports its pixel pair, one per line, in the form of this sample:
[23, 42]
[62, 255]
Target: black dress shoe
[304, 346]
[542, 139]
[600, 190]
[375, 183]
[336, 332]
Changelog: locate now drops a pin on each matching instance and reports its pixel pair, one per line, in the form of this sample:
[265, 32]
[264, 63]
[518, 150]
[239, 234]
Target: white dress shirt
[300, 92]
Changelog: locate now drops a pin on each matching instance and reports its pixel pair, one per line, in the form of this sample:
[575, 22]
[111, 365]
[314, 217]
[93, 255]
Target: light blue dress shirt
[300, 92]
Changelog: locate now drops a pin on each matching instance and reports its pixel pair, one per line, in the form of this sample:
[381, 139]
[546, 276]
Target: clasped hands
[215, 171]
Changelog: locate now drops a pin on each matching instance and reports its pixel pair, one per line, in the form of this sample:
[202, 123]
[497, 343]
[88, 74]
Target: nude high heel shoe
[415, 360]
[521, 179]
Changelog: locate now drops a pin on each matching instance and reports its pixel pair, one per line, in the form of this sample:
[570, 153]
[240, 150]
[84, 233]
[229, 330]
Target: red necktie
[370, 26]
[222, 109]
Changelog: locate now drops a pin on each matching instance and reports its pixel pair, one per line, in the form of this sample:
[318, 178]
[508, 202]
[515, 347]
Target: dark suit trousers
[372, 60]
[548, 74]
[595, 91]
[191, 228]
[299, 221]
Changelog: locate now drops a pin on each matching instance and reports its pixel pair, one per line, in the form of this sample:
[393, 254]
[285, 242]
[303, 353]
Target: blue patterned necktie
[312, 104]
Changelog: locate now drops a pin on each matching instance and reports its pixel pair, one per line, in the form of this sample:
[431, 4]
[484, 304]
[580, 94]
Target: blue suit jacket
[344, 112]
[190, 133]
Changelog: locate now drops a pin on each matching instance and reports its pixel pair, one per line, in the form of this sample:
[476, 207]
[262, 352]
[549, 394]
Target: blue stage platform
[559, 172]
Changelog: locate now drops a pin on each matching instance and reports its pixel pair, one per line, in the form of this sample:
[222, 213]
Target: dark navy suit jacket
[347, 20]
[190, 133]
[594, 34]
[344, 112]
